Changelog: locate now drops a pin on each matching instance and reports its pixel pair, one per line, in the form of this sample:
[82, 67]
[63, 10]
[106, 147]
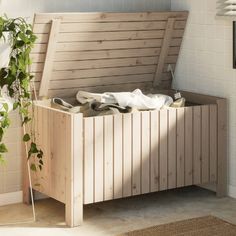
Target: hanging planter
[17, 37]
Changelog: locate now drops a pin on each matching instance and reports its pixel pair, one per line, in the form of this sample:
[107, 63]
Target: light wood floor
[115, 217]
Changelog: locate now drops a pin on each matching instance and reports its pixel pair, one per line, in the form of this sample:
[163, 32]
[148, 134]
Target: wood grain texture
[48, 65]
[205, 144]
[213, 143]
[180, 147]
[74, 173]
[145, 147]
[164, 50]
[104, 47]
[136, 153]
[222, 148]
[154, 152]
[108, 158]
[172, 145]
[118, 156]
[197, 145]
[98, 159]
[127, 155]
[188, 146]
[88, 160]
[163, 149]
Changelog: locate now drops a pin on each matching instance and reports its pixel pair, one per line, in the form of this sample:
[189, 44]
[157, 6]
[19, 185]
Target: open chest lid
[100, 52]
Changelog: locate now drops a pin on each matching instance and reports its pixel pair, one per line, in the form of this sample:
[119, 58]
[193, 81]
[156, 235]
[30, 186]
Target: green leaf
[26, 120]
[15, 105]
[5, 123]
[33, 167]
[5, 106]
[26, 138]
[16, 77]
[1, 133]
[33, 148]
[20, 43]
[3, 148]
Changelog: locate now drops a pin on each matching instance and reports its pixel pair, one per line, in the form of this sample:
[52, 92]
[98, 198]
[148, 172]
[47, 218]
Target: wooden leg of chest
[74, 174]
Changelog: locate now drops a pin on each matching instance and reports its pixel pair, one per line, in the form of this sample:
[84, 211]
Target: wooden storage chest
[93, 159]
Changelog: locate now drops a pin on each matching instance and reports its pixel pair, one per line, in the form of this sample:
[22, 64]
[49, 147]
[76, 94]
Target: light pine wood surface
[91, 50]
[94, 159]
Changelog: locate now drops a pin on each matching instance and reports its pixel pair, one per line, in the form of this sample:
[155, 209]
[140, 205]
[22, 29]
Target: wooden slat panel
[222, 148]
[188, 146]
[154, 153]
[44, 125]
[100, 81]
[69, 93]
[197, 145]
[163, 149]
[103, 54]
[117, 48]
[77, 74]
[102, 27]
[127, 155]
[108, 157]
[118, 157]
[172, 116]
[43, 18]
[51, 129]
[88, 161]
[98, 159]
[76, 200]
[213, 143]
[95, 36]
[104, 45]
[180, 147]
[145, 152]
[94, 64]
[48, 65]
[205, 144]
[164, 51]
[107, 63]
[58, 161]
[107, 26]
[136, 153]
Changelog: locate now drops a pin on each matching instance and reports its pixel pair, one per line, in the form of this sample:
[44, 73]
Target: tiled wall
[11, 175]
[205, 63]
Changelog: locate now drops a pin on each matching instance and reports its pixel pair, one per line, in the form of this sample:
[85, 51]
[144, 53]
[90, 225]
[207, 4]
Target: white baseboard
[232, 191]
[11, 198]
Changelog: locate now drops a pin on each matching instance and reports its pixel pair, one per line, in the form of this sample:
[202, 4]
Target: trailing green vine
[16, 79]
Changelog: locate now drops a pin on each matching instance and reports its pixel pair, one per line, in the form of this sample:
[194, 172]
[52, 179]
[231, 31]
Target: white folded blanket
[135, 99]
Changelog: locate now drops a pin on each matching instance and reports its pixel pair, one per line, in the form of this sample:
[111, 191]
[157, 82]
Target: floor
[115, 217]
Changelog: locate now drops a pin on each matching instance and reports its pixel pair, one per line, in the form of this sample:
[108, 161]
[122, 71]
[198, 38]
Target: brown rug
[203, 226]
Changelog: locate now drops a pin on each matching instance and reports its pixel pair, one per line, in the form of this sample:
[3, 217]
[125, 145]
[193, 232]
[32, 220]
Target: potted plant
[17, 39]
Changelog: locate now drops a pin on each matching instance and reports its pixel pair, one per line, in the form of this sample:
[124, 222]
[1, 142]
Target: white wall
[28, 7]
[205, 63]
[11, 175]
